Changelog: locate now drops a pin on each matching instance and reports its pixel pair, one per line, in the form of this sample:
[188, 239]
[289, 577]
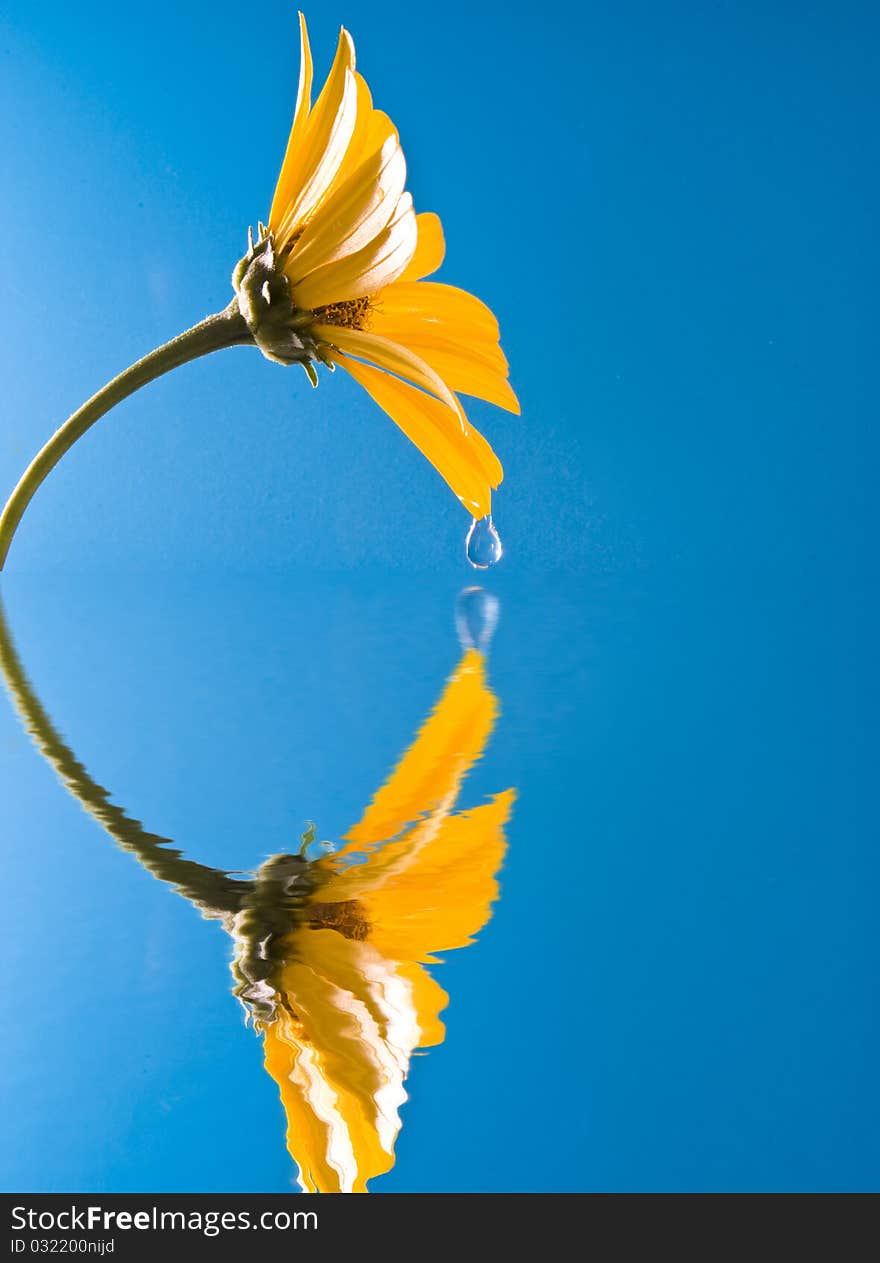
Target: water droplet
[318, 850]
[476, 617]
[483, 543]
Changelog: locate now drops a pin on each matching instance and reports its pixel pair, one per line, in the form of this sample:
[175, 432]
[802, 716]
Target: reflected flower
[353, 1000]
[330, 953]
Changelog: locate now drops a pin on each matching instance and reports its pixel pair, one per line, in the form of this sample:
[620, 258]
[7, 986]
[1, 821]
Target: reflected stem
[210, 889]
[226, 328]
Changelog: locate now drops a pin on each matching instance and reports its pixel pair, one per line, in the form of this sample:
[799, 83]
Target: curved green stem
[227, 328]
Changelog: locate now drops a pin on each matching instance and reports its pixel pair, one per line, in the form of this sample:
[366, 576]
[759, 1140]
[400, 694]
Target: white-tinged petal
[430, 249]
[393, 358]
[367, 270]
[289, 166]
[325, 140]
[354, 215]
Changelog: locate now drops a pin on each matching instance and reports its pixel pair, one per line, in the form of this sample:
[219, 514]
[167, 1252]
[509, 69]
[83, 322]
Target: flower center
[351, 314]
[347, 917]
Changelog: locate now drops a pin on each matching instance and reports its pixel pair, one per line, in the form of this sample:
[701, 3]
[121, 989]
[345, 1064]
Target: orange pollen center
[347, 917]
[351, 314]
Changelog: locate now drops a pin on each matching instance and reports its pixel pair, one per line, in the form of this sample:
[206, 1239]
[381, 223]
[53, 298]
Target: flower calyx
[264, 300]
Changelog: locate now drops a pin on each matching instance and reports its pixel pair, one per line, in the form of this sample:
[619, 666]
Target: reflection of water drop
[318, 850]
[483, 543]
[476, 617]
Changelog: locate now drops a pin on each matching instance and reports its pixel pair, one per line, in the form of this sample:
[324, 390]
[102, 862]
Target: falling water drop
[476, 617]
[483, 543]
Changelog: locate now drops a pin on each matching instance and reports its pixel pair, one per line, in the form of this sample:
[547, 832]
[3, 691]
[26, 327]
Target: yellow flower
[353, 1000]
[338, 277]
[355, 254]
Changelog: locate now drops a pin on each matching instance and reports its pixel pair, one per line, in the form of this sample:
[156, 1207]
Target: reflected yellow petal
[443, 896]
[429, 1000]
[340, 1051]
[450, 741]
[355, 1001]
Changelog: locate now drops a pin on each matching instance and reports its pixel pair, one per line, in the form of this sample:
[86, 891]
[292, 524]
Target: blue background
[235, 596]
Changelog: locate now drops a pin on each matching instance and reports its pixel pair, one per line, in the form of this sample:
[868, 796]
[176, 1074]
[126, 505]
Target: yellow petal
[484, 453]
[466, 372]
[355, 155]
[354, 215]
[372, 129]
[430, 248]
[287, 176]
[464, 460]
[444, 304]
[452, 331]
[450, 741]
[391, 356]
[367, 270]
[325, 139]
[411, 329]
[379, 128]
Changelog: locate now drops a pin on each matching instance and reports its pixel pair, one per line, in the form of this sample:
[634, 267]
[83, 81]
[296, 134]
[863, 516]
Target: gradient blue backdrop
[236, 593]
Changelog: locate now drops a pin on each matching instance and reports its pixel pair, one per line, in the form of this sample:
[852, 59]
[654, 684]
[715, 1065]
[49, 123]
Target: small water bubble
[319, 850]
[483, 543]
[476, 617]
